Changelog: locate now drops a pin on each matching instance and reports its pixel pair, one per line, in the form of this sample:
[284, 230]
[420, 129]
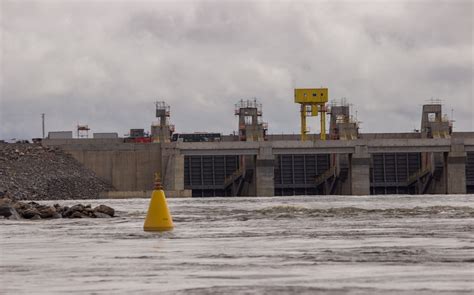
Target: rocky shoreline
[16, 210]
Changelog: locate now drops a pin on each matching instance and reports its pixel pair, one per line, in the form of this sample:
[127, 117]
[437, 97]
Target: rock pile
[34, 172]
[15, 210]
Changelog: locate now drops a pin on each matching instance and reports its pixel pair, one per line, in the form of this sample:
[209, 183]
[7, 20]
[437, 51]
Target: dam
[432, 160]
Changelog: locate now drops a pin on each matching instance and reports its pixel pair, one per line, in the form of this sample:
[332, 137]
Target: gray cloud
[105, 63]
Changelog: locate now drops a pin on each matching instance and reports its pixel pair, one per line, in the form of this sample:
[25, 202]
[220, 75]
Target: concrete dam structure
[432, 160]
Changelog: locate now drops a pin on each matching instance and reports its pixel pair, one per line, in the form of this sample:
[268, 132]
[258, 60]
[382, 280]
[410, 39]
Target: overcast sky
[104, 63]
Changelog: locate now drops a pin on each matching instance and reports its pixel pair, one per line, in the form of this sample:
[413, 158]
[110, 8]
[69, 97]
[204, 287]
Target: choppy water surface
[328, 244]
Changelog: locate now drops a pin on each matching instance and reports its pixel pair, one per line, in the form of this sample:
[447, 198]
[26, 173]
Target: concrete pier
[360, 171]
[265, 172]
[456, 169]
[172, 169]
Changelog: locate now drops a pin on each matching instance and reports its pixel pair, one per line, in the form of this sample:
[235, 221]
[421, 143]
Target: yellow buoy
[158, 217]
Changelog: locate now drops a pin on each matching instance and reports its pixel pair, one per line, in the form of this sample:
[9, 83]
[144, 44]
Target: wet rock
[56, 216]
[12, 209]
[20, 206]
[105, 209]
[88, 211]
[78, 207]
[61, 210]
[30, 213]
[33, 204]
[70, 211]
[7, 211]
[35, 217]
[47, 212]
[58, 208]
[77, 214]
[101, 215]
[15, 215]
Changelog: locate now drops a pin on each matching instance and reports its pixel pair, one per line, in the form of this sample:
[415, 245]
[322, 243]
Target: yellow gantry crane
[312, 101]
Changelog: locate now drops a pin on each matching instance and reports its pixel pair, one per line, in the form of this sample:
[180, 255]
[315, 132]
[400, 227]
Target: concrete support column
[360, 171]
[249, 166]
[437, 162]
[343, 165]
[456, 169]
[172, 168]
[265, 172]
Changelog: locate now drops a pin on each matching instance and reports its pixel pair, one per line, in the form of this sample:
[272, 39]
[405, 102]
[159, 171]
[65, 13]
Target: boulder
[77, 214]
[36, 217]
[78, 207]
[56, 215]
[67, 212]
[5, 200]
[12, 209]
[88, 211]
[20, 206]
[7, 211]
[105, 209]
[62, 210]
[101, 215]
[46, 212]
[30, 213]
[58, 208]
[33, 204]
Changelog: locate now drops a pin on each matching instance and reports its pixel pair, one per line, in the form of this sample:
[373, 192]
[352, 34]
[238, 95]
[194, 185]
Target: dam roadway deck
[267, 168]
[323, 147]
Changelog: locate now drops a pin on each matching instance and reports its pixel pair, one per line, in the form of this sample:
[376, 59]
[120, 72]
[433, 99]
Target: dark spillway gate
[205, 175]
[296, 174]
[390, 173]
[470, 173]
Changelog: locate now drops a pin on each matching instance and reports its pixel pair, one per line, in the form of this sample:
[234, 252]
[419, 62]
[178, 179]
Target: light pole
[42, 119]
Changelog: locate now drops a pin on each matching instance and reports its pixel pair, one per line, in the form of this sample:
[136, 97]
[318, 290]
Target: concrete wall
[81, 142]
[128, 167]
[131, 167]
[60, 134]
[103, 135]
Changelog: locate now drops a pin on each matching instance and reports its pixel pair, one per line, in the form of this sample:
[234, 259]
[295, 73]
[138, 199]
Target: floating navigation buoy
[158, 217]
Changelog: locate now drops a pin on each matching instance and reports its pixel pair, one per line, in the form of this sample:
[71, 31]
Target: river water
[280, 245]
